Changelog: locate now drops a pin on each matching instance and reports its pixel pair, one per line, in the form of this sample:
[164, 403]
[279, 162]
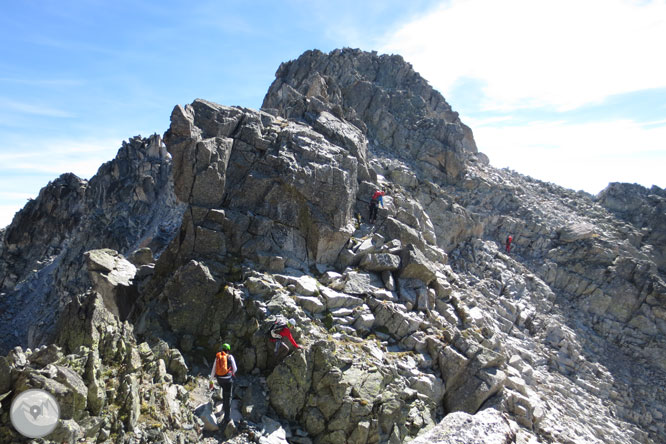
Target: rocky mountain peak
[423, 325]
[385, 98]
[43, 223]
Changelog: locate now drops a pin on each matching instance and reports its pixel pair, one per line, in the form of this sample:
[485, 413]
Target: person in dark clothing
[508, 243]
[375, 202]
[224, 369]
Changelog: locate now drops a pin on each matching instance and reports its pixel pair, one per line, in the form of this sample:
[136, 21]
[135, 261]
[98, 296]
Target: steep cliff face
[127, 204]
[419, 324]
[285, 192]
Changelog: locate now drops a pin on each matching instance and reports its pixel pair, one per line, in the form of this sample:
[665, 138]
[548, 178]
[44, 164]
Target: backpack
[277, 328]
[221, 368]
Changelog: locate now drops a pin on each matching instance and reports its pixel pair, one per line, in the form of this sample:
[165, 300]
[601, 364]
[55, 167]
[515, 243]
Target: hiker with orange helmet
[224, 368]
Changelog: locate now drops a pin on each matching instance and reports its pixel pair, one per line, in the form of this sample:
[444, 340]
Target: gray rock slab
[415, 265]
[488, 426]
[359, 283]
[380, 262]
[313, 304]
[335, 299]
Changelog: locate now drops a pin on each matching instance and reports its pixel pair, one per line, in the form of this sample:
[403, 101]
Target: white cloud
[81, 157]
[539, 52]
[578, 156]
[552, 55]
[35, 109]
[7, 214]
[14, 195]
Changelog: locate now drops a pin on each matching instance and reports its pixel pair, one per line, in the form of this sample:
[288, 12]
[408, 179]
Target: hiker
[224, 368]
[279, 331]
[377, 199]
[508, 243]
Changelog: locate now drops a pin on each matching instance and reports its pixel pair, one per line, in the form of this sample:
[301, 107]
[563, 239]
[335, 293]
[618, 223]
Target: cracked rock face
[420, 327]
[260, 186]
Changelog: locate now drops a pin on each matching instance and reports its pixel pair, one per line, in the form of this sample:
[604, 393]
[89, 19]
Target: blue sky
[569, 92]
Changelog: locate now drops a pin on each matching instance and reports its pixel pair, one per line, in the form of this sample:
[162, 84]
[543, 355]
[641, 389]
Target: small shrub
[328, 321]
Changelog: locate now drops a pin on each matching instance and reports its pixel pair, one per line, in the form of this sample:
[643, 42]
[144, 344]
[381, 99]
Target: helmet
[226, 347]
[291, 322]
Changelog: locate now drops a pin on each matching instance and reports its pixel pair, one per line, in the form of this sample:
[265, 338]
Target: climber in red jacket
[377, 199]
[508, 243]
[278, 332]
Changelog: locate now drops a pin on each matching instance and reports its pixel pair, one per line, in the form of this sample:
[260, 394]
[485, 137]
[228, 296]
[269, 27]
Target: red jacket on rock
[378, 197]
[286, 333]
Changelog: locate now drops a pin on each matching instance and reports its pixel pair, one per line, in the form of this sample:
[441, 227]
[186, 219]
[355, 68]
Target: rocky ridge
[128, 204]
[419, 325]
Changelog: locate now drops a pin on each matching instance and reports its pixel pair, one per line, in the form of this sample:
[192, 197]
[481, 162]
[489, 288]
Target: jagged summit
[385, 98]
[422, 325]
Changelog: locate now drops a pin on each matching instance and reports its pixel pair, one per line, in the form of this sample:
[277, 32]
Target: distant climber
[278, 331]
[224, 369]
[377, 199]
[508, 243]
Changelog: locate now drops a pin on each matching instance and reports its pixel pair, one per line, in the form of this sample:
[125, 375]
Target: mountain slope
[421, 324]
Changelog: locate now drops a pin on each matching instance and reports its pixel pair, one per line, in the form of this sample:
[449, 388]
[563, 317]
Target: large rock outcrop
[645, 211]
[259, 187]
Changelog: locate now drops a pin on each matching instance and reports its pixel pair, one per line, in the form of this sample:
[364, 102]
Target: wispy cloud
[35, 109]
[81, 157]
[654, 123]
[27, 166]
[531, 53]
[40, 82]
[9, 195]
[222, 18]
[489, 121]
[71, 45]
